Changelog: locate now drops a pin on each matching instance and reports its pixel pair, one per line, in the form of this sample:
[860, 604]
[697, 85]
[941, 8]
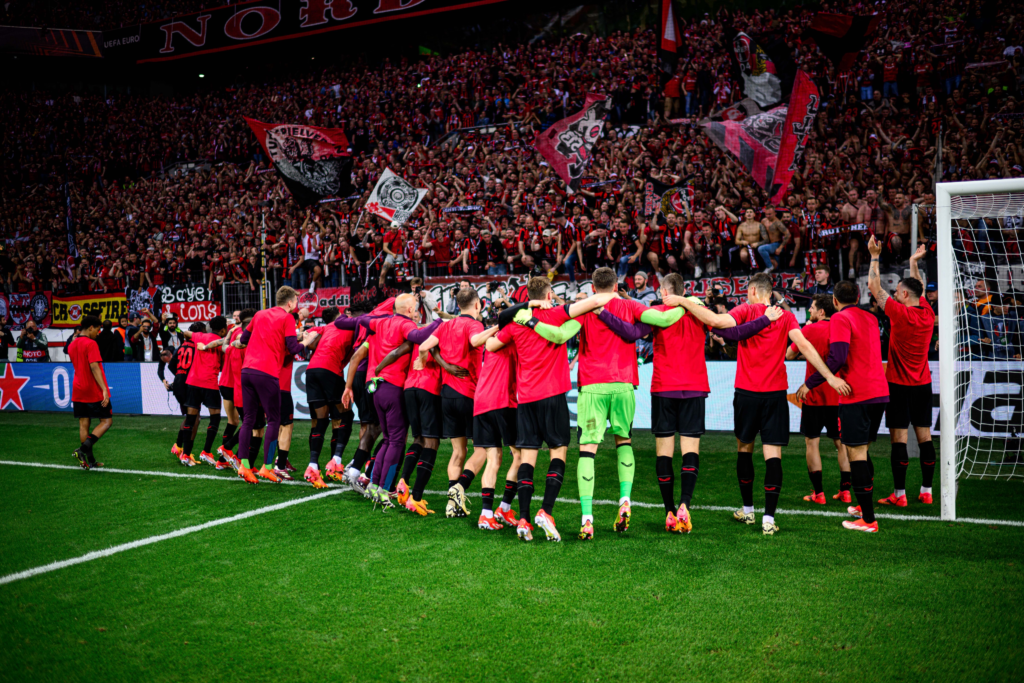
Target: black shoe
[81, 457]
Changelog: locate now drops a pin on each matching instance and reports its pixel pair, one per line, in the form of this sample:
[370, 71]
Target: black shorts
[364, 400]
[94, 411]
[495, 428]
[180, 390]
[197, 397]
[323, 388]
[909, 406]
[287, 408]
[543, 421]
[227, 393]
[682, 416]
[457, 414]
[761, 412]
[815, 418]
[261, 418]
[423, 409]
[859, 422]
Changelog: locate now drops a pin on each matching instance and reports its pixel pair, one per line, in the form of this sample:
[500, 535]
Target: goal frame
[944, 192]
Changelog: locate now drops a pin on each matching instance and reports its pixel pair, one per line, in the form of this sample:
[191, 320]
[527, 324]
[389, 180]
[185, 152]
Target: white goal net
[981, 331]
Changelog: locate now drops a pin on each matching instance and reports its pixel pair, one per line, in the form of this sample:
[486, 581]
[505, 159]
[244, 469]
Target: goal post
[966, 203]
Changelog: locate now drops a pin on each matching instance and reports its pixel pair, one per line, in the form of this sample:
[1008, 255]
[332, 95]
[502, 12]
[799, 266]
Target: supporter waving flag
[394, 198]
[314, 162]
[842, 37]
[762, 64]
[566, 145]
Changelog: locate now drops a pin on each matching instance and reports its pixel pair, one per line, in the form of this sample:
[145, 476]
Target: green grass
[330, 591]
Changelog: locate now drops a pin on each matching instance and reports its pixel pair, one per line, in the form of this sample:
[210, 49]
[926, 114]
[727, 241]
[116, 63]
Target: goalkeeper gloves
[525, 317]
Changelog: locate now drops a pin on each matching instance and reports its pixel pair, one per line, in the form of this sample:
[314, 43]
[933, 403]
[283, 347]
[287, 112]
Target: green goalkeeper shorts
[599, 404]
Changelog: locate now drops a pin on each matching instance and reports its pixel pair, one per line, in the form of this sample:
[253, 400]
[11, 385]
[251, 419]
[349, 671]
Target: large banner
[68, 311]
[199, 311]
[567, 143]
[325, 297]
[313, 162]
[47, 386]
[18, 309]
[394, 198]
[234, 26]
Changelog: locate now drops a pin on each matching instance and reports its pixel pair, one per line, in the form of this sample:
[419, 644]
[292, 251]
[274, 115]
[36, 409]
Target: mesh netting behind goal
[985, 377]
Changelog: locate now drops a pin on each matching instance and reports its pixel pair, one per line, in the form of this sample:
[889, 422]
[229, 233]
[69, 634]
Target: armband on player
[524, 317]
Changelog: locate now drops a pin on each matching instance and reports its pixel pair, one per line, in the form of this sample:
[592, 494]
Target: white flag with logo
[394, 198]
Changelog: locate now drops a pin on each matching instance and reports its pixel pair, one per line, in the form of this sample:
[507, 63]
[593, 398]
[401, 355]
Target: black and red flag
[670, 44]
[770, 145]
[763, 64]
[566, 144]
[841, 37]
[313, 162]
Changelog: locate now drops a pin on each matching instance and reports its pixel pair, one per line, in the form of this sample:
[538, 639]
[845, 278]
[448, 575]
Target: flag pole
[263, 262]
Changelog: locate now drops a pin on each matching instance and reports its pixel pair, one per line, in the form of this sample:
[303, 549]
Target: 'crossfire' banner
[566, 145]
[314, 162]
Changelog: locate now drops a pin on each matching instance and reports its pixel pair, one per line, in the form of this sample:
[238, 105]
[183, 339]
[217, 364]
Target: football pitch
[285, 583]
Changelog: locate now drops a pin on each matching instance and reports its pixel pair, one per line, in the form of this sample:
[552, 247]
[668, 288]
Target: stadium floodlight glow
[975, 374]
[202, 75]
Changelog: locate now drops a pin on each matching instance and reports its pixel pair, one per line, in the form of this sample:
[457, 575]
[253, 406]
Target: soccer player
[355, 391]
[821, 407]
[908, 373]
[180, 366]
[855, 351]
[269, 338]
[203, 390]
[90, 394]
[226, 385]
[759, 402]
[324, 385]
[238, 359]
[387, 334]
[494, 427]
[542, 380]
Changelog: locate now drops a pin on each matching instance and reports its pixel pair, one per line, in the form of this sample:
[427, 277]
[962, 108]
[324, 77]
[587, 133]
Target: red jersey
[909, 341]
[227, 379]
[428, 379]
[818, 334]
[237, 359]
[761, 363]
[679, 356]
[84, 351]
[267, 347]
[206, 366]
[863, 368]
[333, 351]
[604, 357]
[388, 335]
[542, 368]
[497, 387]
[453, 344]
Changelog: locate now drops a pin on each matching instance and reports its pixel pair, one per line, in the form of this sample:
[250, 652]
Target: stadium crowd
[141, 217]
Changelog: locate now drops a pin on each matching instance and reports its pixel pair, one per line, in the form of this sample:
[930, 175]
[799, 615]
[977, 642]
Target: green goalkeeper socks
[626, 467]
[585, 478]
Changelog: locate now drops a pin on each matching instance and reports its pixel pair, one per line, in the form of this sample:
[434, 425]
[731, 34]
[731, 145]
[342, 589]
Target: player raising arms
[203, 388]
[89, 391]
[542, 380]
[821, 407]
[908, 374]
[759, 402]
[855, 351]
[267, 340]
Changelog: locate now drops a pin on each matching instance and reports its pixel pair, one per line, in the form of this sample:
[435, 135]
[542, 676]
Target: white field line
[572, 501]
[97, 554]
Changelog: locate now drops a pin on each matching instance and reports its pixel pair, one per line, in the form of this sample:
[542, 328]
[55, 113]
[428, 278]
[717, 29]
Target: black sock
[87, 446]
[316, 439]
[282, 458]
[340, 435]
[488, 499]
[862, 488]
[772, 484]
[745, 474]
[228, 440]
[688, 477]
[525, 490]
[187, 433]
[871, 469]
[412, 457]
[844, 481]
[466, 478]
[373, 459]
[424, 467]
[359, 459]
[816, 481]
[900, 461]
[510, 492]
[556, 473]
[211, 433]
[666, 481]
[254, 451]
[927, 463]
[452, 482]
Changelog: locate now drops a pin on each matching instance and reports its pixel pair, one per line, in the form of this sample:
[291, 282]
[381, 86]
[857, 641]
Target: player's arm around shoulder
[696, 307]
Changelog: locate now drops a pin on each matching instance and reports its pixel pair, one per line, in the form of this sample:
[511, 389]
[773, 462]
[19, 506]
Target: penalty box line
[572, 501]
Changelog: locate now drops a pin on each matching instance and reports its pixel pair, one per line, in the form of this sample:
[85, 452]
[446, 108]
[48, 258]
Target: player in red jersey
[542, 380]
[203, 390]
[855, 352]
[237, 358]
[494, 427]
[908, 373]
[282, 467]
[820, 410]
[269, 338]
[90, 394]
[226, 385]
[759, 403]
